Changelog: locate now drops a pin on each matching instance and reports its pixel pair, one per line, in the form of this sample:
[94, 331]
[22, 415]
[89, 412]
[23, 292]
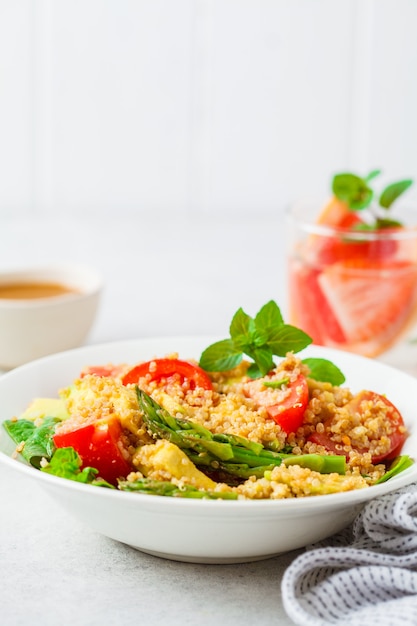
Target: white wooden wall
[192, 107]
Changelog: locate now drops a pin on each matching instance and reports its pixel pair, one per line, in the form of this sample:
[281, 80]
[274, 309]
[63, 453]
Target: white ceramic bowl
[201, 531]
[34, 327]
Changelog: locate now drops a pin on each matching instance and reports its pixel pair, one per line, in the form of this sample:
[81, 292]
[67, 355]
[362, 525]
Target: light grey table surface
[54, 570]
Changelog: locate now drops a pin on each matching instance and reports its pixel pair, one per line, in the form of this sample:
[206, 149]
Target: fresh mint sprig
[358, 194]
[261, 338]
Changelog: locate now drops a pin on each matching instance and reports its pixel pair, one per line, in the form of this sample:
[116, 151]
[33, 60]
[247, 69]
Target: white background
[161, 140]
[200, 106]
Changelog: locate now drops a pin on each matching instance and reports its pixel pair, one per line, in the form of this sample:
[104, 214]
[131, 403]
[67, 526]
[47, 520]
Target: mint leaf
[260, 340]
[287, 338]
[358, 195]
[353, 190]
[263, 359]
[372, 175]
[393, 191]
[241, 342]
[254, 371]
[387, 223]
[269, 317]
[221, 356]
[241, 324]
[325, 371]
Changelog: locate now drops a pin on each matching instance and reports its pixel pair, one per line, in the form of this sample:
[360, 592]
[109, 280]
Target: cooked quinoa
[237, 405]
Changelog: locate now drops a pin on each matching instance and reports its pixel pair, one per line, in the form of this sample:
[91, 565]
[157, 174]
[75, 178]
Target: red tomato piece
[99, 445]
[394, 423]
[103, 370]
[164, 368]
[325, 440]
[288, 412]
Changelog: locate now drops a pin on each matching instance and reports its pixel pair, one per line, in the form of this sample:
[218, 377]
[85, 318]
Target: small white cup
[37, 326]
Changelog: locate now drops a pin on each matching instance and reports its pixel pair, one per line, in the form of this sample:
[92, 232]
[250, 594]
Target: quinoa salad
[235, 429]
[357, 430]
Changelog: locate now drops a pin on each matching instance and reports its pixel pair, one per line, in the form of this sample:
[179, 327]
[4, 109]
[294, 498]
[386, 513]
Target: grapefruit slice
[334, 248]
[373, 301]
[336, 213]
[310, 309]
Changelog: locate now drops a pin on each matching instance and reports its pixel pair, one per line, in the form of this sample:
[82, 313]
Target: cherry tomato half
[395, 428]
[99, 445]
[164, 368]
[289, 411]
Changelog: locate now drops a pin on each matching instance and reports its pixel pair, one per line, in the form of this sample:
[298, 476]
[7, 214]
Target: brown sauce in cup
[31, 290]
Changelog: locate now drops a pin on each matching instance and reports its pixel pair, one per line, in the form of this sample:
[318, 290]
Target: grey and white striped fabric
[366, 575]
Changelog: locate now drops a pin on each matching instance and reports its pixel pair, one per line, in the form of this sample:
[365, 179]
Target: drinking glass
[355, 290]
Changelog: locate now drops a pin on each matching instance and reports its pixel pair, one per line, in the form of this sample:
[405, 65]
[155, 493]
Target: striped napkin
[366, 575]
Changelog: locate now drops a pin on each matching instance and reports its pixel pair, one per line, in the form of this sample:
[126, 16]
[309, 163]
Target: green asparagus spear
[165, 488]
[399, 464]
[229, 453]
